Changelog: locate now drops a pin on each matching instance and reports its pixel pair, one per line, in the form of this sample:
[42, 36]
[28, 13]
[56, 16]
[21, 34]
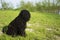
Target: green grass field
[42, 26]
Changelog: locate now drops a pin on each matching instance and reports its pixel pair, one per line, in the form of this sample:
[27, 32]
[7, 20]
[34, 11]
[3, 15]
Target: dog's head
[25, 15]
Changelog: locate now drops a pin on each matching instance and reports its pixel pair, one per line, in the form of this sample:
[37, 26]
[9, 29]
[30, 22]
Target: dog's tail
[4, 29]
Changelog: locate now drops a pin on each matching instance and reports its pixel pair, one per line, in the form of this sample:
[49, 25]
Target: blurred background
[52, 6]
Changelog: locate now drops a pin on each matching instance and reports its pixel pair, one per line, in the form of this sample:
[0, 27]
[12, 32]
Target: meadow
[42, 26]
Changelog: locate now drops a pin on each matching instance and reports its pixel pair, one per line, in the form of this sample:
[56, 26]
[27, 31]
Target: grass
[42, 26]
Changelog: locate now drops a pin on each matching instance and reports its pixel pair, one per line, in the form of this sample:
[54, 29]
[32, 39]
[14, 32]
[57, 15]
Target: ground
[42, 26]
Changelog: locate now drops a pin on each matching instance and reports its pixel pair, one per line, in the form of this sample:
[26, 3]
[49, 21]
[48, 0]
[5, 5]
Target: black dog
[18, 25]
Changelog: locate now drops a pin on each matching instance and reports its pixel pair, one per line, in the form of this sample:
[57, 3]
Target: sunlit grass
[42, 26]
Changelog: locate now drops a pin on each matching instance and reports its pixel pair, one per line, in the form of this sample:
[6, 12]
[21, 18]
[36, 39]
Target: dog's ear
[25, 15]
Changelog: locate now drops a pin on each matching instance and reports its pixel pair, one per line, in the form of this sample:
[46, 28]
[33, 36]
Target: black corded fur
[18, 25]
